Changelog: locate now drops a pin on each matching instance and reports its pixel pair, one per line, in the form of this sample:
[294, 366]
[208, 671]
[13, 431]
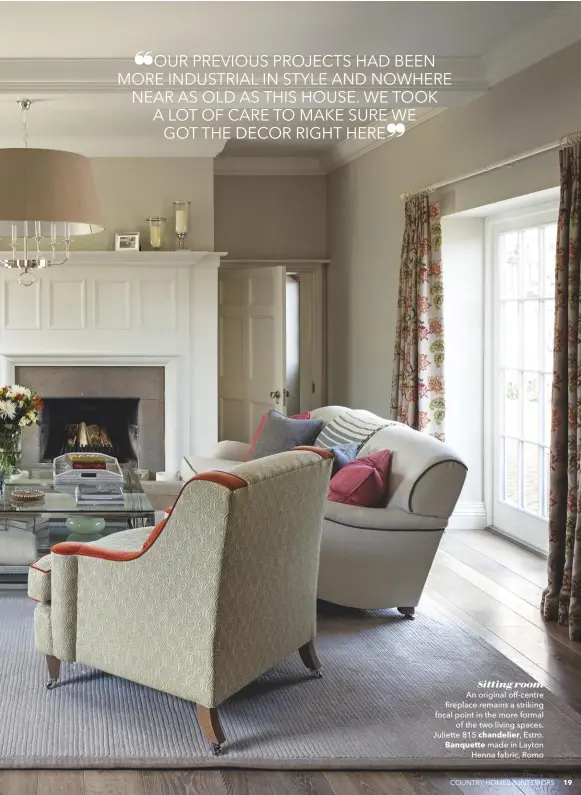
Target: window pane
[549, 335]
[510, 357]
[547, 391]
[549, 258]
[508, 264]
[531, 474]
[532, 407]
[510, 485]
[531, 340]
[511, 403]
[531, 263]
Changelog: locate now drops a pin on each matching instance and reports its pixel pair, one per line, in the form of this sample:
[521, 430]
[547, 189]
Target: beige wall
[270, 217]
[366, 215]
[131, 189]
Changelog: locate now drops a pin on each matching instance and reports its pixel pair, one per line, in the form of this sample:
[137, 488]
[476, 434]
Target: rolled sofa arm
[232, 451]
[426, 475]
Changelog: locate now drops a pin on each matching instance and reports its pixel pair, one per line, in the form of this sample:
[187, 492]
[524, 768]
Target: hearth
[79, 424]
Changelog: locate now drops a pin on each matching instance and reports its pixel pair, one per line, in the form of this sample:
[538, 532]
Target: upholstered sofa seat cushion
[39, 575]
[200, 464]
[384, 519]
[162, 493]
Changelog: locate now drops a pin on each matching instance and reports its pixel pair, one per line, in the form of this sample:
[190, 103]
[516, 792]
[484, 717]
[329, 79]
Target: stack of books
[99, 494]
[74, 469]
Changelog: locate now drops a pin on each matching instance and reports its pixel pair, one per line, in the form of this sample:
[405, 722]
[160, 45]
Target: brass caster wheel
[318, 674]
[51, 684]
[217, 749]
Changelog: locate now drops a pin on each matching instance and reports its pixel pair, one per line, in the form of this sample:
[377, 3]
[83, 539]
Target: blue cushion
[343, 454]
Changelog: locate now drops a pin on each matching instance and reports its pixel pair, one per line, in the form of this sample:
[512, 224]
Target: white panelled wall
[126, 308]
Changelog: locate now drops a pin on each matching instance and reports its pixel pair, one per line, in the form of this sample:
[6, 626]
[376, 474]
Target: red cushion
[362, 482]
[306, 415]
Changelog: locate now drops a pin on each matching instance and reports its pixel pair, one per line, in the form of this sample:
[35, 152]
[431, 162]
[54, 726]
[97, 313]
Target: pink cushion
[306, 415]
[362, 482]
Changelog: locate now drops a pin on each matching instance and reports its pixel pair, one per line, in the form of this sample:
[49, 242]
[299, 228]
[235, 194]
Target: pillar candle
[181, 222]
[155, 237]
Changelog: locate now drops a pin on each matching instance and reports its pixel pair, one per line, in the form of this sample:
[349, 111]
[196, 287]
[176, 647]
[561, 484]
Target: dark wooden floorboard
[18, 782]
[566, 687]
[60, 782]
[370, 784]
[480, 581]
[181, 782]
[112, 782]
[526, 564]
[494, 570]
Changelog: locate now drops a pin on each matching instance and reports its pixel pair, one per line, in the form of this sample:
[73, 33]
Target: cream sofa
[372, 557]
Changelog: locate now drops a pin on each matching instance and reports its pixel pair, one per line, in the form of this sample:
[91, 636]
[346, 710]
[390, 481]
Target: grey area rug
[384, 679]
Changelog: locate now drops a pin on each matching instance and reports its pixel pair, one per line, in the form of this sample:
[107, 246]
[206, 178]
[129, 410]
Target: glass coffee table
[29, 531]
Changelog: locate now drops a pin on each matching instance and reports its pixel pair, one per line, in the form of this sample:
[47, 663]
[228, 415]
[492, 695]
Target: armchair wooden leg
[54, 668]
[310, 659]
[210, 726]
[407, 612]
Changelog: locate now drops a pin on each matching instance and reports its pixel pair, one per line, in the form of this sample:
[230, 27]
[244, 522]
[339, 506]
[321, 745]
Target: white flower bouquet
[19, 408]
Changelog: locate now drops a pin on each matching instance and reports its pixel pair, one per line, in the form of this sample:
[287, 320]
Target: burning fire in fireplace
[83, 435]
[90, 425]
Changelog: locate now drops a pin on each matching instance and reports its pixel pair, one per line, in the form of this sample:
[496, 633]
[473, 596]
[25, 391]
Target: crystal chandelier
[47, 197]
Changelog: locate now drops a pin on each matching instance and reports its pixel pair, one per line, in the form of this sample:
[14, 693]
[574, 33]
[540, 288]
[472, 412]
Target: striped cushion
[345, 429]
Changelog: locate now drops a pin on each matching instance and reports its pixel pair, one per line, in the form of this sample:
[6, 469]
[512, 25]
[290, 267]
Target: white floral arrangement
[19, 407]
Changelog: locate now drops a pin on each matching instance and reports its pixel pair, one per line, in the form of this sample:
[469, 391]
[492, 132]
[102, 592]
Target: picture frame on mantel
[128, 242]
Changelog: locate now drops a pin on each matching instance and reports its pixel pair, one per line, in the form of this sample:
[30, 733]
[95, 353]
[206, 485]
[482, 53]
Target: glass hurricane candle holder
[156, 232]
[182, 217]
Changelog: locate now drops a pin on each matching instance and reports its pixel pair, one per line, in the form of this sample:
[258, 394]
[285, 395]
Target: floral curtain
[561, 599]
[417, 393]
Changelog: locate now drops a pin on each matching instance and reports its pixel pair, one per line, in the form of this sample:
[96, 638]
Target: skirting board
[468, 516]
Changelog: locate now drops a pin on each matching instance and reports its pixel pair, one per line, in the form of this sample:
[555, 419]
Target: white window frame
[533, 215]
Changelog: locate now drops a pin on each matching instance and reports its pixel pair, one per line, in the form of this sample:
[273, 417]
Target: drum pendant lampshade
[47, 189]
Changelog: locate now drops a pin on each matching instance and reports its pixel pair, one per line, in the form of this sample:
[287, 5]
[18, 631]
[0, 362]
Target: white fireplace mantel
[180, 258]
[126, 308]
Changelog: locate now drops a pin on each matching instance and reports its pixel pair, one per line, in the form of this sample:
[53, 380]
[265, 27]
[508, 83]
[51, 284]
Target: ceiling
[119, 29]
[70, 58]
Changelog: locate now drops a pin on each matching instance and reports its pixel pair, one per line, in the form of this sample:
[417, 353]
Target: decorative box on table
[73, 469]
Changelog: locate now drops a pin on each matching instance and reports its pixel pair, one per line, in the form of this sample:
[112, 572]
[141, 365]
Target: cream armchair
[206, 601]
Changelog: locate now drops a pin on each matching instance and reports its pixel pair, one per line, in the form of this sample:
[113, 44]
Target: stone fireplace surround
[115, 310]
[144, 383]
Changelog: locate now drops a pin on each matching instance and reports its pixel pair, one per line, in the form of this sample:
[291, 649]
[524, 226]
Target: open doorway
[293, 343]
[270, 343]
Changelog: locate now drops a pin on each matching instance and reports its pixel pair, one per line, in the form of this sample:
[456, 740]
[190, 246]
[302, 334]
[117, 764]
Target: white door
[252, 348]
[523, 252]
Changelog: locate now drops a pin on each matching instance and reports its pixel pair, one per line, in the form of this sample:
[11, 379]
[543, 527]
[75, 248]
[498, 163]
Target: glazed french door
[523, 260]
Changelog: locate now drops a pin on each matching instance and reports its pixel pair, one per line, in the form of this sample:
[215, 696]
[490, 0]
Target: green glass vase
[10, 450]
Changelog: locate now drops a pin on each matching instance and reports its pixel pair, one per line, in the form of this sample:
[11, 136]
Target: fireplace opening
[102, 425]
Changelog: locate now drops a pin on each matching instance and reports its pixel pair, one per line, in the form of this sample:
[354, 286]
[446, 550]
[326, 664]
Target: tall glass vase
[10, 450]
